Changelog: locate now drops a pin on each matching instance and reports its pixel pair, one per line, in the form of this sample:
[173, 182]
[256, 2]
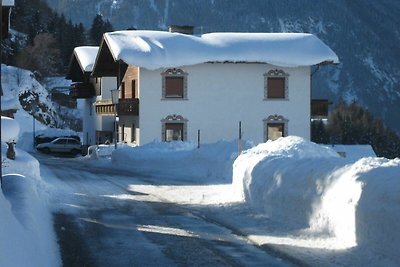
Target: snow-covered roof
[86, 56]
[7, 3]
[158, 49]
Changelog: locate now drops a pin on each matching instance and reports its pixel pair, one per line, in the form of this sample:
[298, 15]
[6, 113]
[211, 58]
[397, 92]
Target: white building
[89, 91]
[189, 84]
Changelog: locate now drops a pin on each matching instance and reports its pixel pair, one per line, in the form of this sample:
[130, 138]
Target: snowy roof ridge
[86, 57]
[160, 49]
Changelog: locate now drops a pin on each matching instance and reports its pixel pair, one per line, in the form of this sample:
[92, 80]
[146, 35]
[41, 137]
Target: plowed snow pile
[311, 187]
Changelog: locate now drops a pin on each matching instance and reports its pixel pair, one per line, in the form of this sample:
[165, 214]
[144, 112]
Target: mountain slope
[364, 34]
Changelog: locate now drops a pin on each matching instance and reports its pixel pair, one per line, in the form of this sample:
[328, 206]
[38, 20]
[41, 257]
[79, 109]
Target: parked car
[61, 145]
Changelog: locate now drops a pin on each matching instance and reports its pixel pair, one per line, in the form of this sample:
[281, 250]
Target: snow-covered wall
[219, 96]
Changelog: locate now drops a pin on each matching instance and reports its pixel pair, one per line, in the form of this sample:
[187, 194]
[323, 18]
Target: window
[173, 132]
[133, 133]
[133, 88]
[123, 90]
[174, 128]
[275, 130]
[174, 87]
[60, 141]
[276, 85]
[174, 84]
[275, 127]
[122, 138]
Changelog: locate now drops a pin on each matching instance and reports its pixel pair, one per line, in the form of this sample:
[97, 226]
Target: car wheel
[46, 150]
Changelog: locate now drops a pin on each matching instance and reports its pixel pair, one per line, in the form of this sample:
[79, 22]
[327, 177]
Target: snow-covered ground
[330, 210]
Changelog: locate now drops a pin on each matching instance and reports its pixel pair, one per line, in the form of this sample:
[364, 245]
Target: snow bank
[378, 210]
[158, 49]
[180, 159]
[284, 178]
[26, 229]
[308, 186]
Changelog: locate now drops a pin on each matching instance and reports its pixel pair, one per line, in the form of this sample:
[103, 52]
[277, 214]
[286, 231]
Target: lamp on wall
[114, 100]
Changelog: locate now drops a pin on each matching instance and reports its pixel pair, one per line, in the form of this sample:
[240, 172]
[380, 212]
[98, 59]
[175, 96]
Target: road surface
[95, 227]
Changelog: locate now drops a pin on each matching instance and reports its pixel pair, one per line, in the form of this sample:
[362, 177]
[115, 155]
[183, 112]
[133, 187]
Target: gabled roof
[86, 56]
[158, 49]
[82, 62]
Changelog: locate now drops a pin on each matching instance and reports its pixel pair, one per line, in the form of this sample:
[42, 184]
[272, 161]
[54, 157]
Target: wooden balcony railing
[125, 107]
[105, 107]
[82, 90]
[319, 108]
[128, 107]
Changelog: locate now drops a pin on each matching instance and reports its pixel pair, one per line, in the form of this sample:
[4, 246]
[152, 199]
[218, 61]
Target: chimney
[185, 29]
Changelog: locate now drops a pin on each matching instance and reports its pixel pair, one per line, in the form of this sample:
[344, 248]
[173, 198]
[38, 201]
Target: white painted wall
[221, 95]
[91, 121]
[88, 129]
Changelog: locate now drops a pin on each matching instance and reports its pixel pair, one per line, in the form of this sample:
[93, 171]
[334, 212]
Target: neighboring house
[174, 85]
[89, 91]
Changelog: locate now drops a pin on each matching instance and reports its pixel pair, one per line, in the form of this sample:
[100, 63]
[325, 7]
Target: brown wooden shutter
[174, 86]
[276, 87]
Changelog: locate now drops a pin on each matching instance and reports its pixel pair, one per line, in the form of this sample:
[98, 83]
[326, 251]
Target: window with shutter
[174, 87]
[276, 85]
[174, 84]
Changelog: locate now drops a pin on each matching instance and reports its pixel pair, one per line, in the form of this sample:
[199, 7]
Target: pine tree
[42, 56]
[99, 26]
[352, 124]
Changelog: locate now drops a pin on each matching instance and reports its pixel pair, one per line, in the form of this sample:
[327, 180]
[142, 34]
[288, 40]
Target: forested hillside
[364, 34]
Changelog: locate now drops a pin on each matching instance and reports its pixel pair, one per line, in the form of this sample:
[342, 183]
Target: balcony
[105, 107]
[128, 107]
[125, 107]
[319, 108]
[82, 90]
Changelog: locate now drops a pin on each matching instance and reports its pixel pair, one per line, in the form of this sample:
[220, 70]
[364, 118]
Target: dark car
[61, 145]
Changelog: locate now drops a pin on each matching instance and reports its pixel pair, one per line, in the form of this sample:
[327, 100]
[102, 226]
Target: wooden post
[198, 138]
[240, 139]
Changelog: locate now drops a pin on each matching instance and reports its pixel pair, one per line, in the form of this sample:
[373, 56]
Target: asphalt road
[96, 228]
